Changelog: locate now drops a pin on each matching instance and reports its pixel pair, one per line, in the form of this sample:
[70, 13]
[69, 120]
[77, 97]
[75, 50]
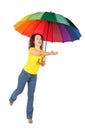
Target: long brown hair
[31, 41]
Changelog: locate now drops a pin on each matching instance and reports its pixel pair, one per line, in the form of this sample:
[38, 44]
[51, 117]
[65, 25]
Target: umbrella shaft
[45, 45]
[47, 35]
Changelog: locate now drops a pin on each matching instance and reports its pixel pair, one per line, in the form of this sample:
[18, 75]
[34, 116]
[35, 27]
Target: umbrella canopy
[54, 27]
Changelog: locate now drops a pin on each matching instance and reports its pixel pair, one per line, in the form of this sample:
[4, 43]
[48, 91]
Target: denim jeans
[31, 80]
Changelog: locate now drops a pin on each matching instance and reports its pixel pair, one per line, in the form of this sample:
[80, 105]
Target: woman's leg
[20, 86]
[31, 90]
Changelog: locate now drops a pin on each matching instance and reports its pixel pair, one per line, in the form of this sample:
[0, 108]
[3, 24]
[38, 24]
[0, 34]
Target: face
[38, 40]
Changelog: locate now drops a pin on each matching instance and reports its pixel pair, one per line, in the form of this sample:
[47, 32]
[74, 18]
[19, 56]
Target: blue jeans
[31, 80]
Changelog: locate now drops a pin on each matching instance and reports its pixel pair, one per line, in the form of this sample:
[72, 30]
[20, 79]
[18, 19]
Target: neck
[37, 47]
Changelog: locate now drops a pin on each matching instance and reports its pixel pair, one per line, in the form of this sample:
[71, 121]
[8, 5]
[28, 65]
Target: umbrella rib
[38, 25]
[26, 28]
[32, 24]
[69, 35]
[61, 33]
[52, 32]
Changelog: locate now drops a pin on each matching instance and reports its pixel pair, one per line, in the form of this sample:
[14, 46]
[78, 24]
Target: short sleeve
[32, 48]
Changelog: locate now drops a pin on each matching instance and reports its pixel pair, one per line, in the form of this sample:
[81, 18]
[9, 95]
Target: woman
[36, 57]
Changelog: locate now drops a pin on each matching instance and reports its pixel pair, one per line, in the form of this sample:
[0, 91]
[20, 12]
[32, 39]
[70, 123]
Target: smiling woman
[36, 57]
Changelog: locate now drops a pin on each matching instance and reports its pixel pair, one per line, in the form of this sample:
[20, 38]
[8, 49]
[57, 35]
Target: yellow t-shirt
[32, 65]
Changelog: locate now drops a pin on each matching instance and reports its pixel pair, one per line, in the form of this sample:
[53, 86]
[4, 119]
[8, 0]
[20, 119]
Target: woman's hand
[54, 53]
[42, 62]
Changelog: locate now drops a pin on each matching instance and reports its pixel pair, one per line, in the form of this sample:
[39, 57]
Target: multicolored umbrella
[54, 27]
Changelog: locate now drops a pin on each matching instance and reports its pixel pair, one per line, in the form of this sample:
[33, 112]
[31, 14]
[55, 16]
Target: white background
[60, 92]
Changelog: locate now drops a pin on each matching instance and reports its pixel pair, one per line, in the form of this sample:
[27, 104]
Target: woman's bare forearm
[39, 53]
[49, 53]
